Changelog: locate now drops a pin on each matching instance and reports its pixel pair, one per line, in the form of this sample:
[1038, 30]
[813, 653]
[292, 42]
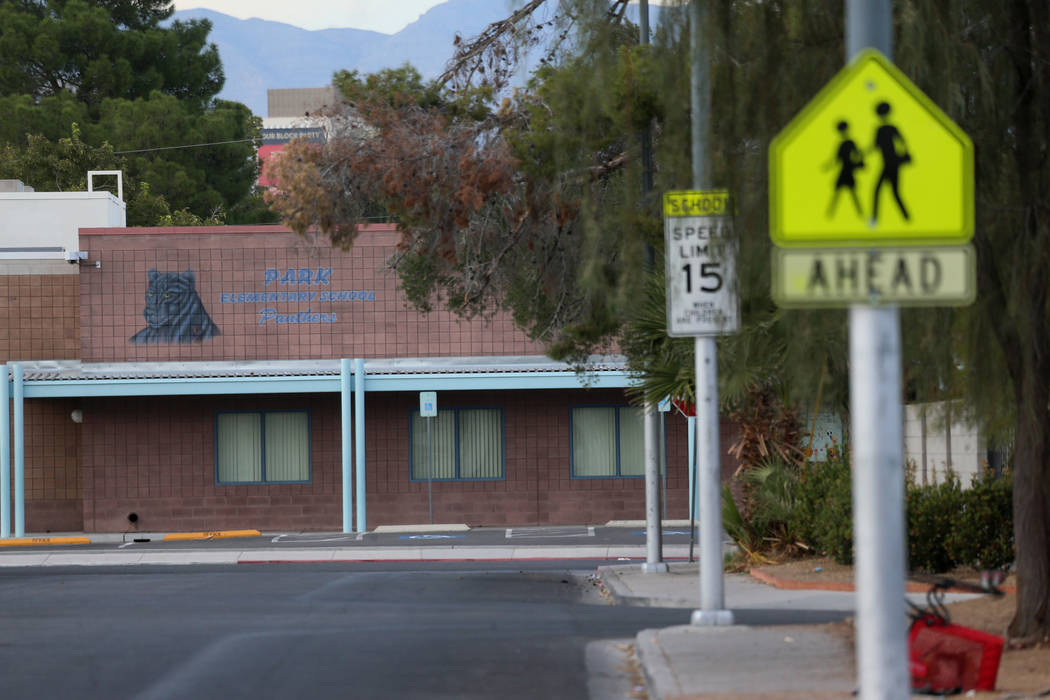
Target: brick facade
[39, 318]
[230, 265]
[155, 456]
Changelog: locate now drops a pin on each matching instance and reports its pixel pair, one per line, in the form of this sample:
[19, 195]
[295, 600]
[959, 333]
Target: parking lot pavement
[621, 542]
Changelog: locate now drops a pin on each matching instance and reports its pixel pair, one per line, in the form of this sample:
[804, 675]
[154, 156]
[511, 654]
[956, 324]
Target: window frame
[456, 410]
[618, 474]
[262, 446]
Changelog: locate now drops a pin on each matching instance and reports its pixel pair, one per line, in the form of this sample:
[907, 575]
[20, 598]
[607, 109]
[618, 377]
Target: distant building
[278, 131]
[293, 113]
[300, 102]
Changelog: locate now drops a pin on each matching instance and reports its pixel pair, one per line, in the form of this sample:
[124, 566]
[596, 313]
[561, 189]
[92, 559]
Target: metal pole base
[712, 618]
[656, 567]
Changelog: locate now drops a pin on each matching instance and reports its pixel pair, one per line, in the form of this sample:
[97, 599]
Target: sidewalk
[780, 645]
[767, 661]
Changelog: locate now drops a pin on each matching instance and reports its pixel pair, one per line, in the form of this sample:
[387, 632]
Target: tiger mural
[174, 313]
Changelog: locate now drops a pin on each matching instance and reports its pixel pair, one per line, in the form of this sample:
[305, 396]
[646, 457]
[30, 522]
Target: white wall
[45, 225]
[969, 450]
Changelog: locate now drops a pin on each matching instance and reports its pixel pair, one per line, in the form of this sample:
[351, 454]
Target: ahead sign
[701, 264]
[908, 276]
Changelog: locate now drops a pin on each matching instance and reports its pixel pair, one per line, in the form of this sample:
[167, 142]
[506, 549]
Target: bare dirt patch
[825, 570]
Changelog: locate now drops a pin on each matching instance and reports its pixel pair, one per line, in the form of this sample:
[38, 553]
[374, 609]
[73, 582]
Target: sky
[386, 16]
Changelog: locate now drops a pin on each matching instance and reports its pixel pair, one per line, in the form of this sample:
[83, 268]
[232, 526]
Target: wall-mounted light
[77, 415]
[80, 257]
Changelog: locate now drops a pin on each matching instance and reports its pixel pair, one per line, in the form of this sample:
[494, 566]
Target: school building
[206, 378]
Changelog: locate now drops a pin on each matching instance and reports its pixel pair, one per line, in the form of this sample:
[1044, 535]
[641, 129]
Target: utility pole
[878, 469]
[709, 483]
[654, 562]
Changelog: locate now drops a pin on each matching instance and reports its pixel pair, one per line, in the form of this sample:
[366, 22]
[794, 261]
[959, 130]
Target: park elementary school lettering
[299, 277]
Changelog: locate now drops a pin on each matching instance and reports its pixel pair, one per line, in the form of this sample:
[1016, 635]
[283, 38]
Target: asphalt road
[317, 631]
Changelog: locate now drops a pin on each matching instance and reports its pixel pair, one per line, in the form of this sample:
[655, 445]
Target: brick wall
[155, 458]
[39, 321]
[38, 317]
[52, 473]
[252, 309]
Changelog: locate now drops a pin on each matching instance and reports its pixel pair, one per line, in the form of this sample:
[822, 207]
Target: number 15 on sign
[701, 264]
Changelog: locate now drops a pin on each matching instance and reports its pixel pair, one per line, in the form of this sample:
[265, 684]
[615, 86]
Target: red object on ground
[947, 657]
[687, 408]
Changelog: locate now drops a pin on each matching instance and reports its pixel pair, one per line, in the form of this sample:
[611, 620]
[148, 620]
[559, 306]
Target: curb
[610, 585]
[658, 674]
[447, 527]
[214, 535]
[40, 541]
[609, 582]
[792, 585]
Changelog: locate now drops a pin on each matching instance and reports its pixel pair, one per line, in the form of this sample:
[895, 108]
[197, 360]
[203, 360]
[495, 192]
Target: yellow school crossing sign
[871, 161]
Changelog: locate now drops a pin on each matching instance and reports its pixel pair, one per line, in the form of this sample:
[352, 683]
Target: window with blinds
[463, 443]
[608, 441]
[258, 447]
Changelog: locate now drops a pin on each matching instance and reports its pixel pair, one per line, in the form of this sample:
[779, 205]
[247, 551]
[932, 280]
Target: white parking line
[541, 532]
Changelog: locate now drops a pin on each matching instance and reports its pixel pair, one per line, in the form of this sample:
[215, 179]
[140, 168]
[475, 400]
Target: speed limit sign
[700, 250]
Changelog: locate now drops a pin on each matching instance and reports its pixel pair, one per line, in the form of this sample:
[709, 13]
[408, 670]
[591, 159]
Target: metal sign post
[878, 471]
[892, 223]
[428, 410]
[703, 302]
[654, 563]
[663, 407]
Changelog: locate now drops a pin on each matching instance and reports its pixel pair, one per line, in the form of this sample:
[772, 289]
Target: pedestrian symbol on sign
[890, 144]
[850, 159]
[894, 154]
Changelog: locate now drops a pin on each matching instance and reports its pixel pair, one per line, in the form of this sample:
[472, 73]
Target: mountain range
[258, 54]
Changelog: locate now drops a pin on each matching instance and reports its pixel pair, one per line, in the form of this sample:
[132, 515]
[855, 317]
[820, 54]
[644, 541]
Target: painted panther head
[174, 313]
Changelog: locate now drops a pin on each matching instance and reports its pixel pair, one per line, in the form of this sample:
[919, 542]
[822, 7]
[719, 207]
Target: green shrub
[949, 526]
[743, 530]
[766, 524]
[932, 512]
[983, 533]
[823, 513]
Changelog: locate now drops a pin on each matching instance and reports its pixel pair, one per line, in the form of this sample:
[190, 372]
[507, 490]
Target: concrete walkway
[771, 661]
[739, 661]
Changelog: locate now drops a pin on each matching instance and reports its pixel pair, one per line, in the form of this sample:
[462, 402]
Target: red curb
[792, 585]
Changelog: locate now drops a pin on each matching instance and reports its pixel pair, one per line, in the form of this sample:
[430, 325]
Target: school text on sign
[700, 257]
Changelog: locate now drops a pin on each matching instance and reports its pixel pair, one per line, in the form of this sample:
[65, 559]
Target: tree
[62, 165]
[534, 206]
[202, 179]
[998, 60]
[108, 66]
[106, 48]
[497, 207]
